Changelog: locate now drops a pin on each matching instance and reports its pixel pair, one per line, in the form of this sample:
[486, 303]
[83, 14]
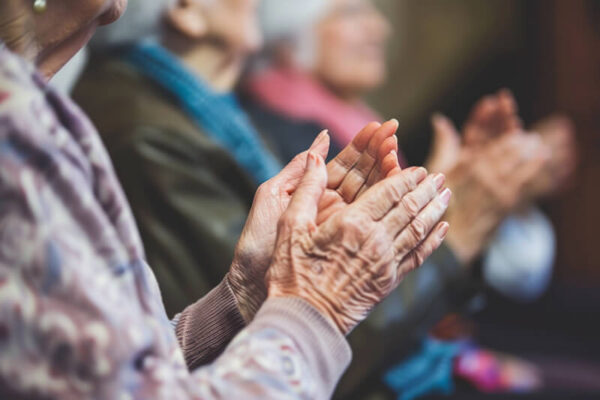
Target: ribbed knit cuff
[323, 346]
[206, 327]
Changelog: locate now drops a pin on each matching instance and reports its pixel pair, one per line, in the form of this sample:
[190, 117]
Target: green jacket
[189, 196]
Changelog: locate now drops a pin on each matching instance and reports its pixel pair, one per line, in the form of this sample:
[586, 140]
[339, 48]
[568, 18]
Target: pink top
[298, 95]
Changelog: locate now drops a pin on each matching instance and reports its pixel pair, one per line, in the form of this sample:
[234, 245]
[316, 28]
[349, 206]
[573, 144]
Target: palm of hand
[370, 157]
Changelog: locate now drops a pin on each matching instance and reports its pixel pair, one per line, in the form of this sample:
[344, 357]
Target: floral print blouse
[81, 315]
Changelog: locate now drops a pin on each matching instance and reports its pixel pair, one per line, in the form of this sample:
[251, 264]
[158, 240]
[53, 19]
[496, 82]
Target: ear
[188, 19]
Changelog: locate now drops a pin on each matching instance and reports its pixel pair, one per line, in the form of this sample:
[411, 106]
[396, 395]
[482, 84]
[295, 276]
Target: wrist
[249, 291]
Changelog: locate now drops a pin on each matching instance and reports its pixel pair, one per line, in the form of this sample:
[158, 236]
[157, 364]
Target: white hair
[292, 22]
[143, 19]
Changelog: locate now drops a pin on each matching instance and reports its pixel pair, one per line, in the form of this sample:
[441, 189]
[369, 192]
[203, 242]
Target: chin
[371, 80]
[113, 13]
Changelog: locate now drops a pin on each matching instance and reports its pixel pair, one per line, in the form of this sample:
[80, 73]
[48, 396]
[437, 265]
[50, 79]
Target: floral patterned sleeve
[80, 311]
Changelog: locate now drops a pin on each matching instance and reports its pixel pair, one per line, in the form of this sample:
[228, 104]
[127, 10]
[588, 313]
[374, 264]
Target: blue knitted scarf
[220, 116]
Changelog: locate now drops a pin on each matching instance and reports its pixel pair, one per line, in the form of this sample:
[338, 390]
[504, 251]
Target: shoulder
[285, 135]
[18, 88]
[129, 109]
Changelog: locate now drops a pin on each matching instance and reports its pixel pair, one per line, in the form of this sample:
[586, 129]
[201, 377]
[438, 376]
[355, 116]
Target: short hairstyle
[291, 22]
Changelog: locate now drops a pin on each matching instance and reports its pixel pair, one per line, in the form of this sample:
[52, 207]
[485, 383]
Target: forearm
[288, 351]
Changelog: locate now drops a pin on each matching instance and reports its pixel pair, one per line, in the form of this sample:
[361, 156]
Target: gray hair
[143, 19]
[292, 21]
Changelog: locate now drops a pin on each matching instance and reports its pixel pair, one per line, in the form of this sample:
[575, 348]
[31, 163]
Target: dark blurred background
[448, 54]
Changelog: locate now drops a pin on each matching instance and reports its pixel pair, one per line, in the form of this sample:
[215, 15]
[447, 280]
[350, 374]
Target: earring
[39, 6]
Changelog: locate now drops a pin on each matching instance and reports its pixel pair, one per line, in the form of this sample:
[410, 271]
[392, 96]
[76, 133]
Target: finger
[475, 132]
[413, 204]
[510, 109]
[290, 175]
[321, 144]
[446, 145]
[345, 161]
[390, 165]
[419, 228]
[382, 197]
[385, 163]
[303, 206]
[359, 173]
[417, 257]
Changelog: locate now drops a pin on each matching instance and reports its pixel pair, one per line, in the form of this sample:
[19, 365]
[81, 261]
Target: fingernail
[439, 180]
[394, 121]
[319, 137]
[394, 153]
[443, 230]
[445, 196]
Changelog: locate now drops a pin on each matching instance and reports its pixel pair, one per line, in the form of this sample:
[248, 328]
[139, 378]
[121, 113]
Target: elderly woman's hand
[558, 133]
[370, 156]
[492, 116]
[489, 183]
[355, 258]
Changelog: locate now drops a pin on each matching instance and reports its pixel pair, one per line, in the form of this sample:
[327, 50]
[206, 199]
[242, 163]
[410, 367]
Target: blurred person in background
[188, 158]
[320, 58]
[81, 314]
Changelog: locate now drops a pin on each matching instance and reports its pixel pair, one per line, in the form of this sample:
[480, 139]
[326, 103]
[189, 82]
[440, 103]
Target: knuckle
[410, 204]
[418, 258]
[262, 189]
[298, 158]
[353, 222]
[418, 229]
[393, 191]
[287, 221]
[406, 184]
[402, 248]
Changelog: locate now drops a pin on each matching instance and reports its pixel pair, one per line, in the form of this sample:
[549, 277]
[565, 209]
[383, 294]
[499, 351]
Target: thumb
[303, 206]
[291, 174]
[445, 148]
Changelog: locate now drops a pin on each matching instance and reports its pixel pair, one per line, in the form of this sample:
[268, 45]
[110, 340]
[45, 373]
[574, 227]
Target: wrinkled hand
[491, 117]
[558, 133]
[356, 257]
[488, 184]
[371, 156]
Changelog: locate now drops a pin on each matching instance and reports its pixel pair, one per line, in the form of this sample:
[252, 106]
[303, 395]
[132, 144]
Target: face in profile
[67, 25]
[351, 42]
[235, 23]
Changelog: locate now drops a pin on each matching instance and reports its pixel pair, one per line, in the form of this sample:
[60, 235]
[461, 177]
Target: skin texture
[51, 38]
[350, 56]
[492, 172]
[354, 259]
[369, 158]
